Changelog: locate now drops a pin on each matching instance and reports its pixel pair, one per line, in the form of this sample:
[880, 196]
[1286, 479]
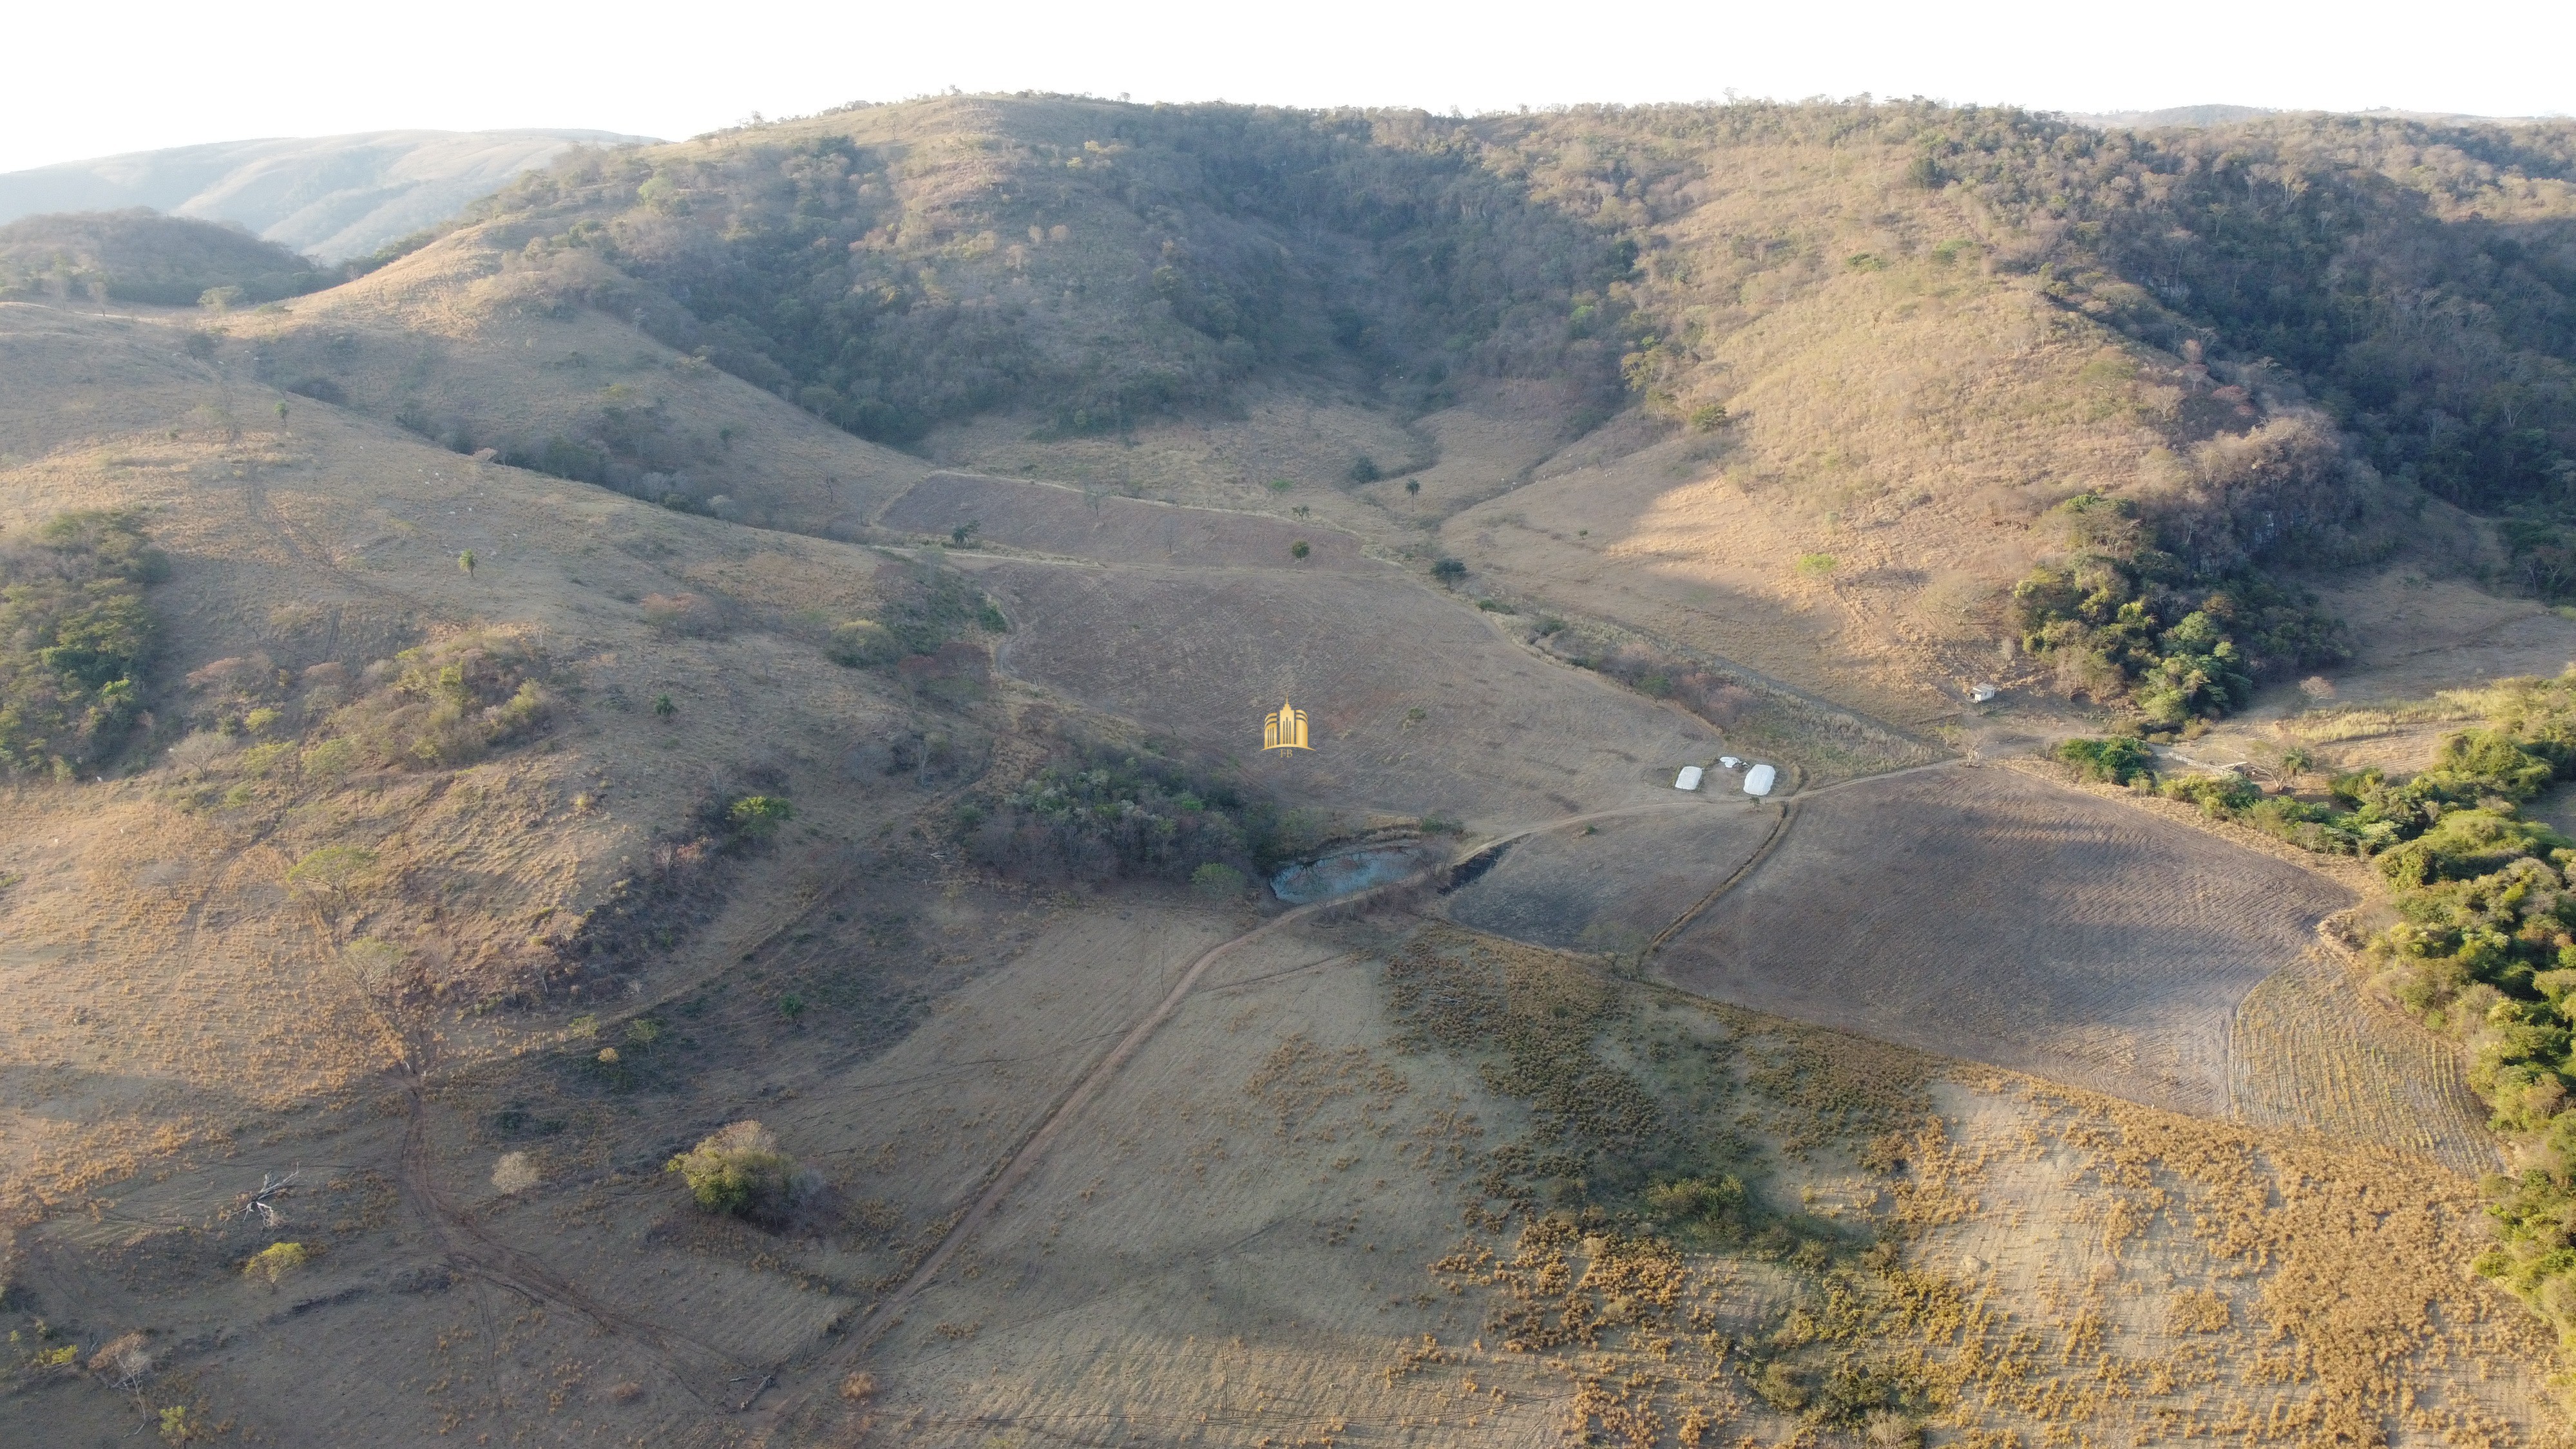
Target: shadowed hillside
[136, 256]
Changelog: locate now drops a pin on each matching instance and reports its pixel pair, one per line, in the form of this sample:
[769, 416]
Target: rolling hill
[332, 197]
[641, 818]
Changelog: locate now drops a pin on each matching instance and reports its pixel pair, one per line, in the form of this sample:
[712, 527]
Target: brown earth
[1614, 887]
[1112, 529]
[1416, 706]
[1982, 914]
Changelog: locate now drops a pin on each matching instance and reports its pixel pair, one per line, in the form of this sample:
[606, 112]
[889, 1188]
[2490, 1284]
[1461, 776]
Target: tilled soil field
[1416, 707]
[2309, 1050]
[1612, 886]
[1982, 914]
[1101, 525]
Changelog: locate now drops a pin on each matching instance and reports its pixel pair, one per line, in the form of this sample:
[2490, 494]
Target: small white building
[1759, 780]
[1730, 762]
[1688, 779]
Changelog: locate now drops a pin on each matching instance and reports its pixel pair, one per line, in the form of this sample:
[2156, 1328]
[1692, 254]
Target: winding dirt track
[700, 1368]
[1033, 1148]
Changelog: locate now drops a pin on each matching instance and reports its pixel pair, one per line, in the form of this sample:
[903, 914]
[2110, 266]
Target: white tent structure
[1688, 779]
[1759, 780]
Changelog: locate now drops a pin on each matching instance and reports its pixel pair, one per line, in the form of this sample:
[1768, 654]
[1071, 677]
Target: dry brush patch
[1992, 1258]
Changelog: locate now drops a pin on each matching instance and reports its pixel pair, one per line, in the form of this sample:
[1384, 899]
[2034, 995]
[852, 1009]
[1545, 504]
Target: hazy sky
[141, 74]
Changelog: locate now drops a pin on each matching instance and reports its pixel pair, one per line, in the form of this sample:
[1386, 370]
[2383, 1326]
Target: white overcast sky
[77, 82]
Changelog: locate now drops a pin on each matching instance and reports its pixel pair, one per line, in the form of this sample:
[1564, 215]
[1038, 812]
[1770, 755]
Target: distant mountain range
[329, 197]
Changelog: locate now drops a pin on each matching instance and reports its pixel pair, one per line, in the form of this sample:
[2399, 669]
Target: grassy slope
[336, 541]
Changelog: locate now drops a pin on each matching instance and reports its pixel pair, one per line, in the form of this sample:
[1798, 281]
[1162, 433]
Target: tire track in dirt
[464, 1243]
[1024, 1160]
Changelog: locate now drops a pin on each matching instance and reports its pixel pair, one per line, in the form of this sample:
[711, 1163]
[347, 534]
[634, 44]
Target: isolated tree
[739, 1171]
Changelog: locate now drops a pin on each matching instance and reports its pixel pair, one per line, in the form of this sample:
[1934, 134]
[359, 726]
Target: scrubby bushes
[738, 1172]
[447, 703]
[2125, 622]
[1105, 813]
[75, 635]
[2117, 760]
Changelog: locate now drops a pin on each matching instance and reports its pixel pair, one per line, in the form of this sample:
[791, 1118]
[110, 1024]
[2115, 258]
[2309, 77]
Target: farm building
[1759, 779]
[1688, 779]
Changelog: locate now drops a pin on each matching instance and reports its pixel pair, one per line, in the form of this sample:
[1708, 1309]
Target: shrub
[1709, 418]
[863, 644]
[1300, 549]
[272, 1263]
[1364, 469]
[1109, 813]
[2118, 760]
[738, 1172]
[1449, 571]
[516, 1172]
[1815, 565]
[1218, 881]
[2219, 796]
[758, 816]
[447, 703]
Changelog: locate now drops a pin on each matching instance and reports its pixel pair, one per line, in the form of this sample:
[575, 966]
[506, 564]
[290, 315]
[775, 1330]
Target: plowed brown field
[1616, 885]
[1982, 914]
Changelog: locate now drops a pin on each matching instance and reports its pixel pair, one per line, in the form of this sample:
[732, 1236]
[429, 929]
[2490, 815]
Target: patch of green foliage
[738, 1172]
[2117, 760]
[75, 636]
[1109, 813]
[2125, 622]
[448, 703]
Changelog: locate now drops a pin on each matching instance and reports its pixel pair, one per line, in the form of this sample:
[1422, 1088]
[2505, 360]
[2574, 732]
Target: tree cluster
[76, 633]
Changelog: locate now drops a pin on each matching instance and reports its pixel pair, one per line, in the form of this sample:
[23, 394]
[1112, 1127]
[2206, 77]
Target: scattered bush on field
[516, 1172]
[447, 703]
[1632, 1159]
[863, 644]
[738, 1172]
[75, 636]
[758, 817]
[929, 611]
[271, 1264]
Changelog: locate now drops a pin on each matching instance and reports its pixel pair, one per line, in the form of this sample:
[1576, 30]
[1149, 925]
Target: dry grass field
[1109, 528]
[1982, 914]
[1417, 706]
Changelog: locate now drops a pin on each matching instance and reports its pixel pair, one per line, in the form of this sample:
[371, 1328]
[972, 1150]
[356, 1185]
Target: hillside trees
[75, 636]
[1095, 264]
